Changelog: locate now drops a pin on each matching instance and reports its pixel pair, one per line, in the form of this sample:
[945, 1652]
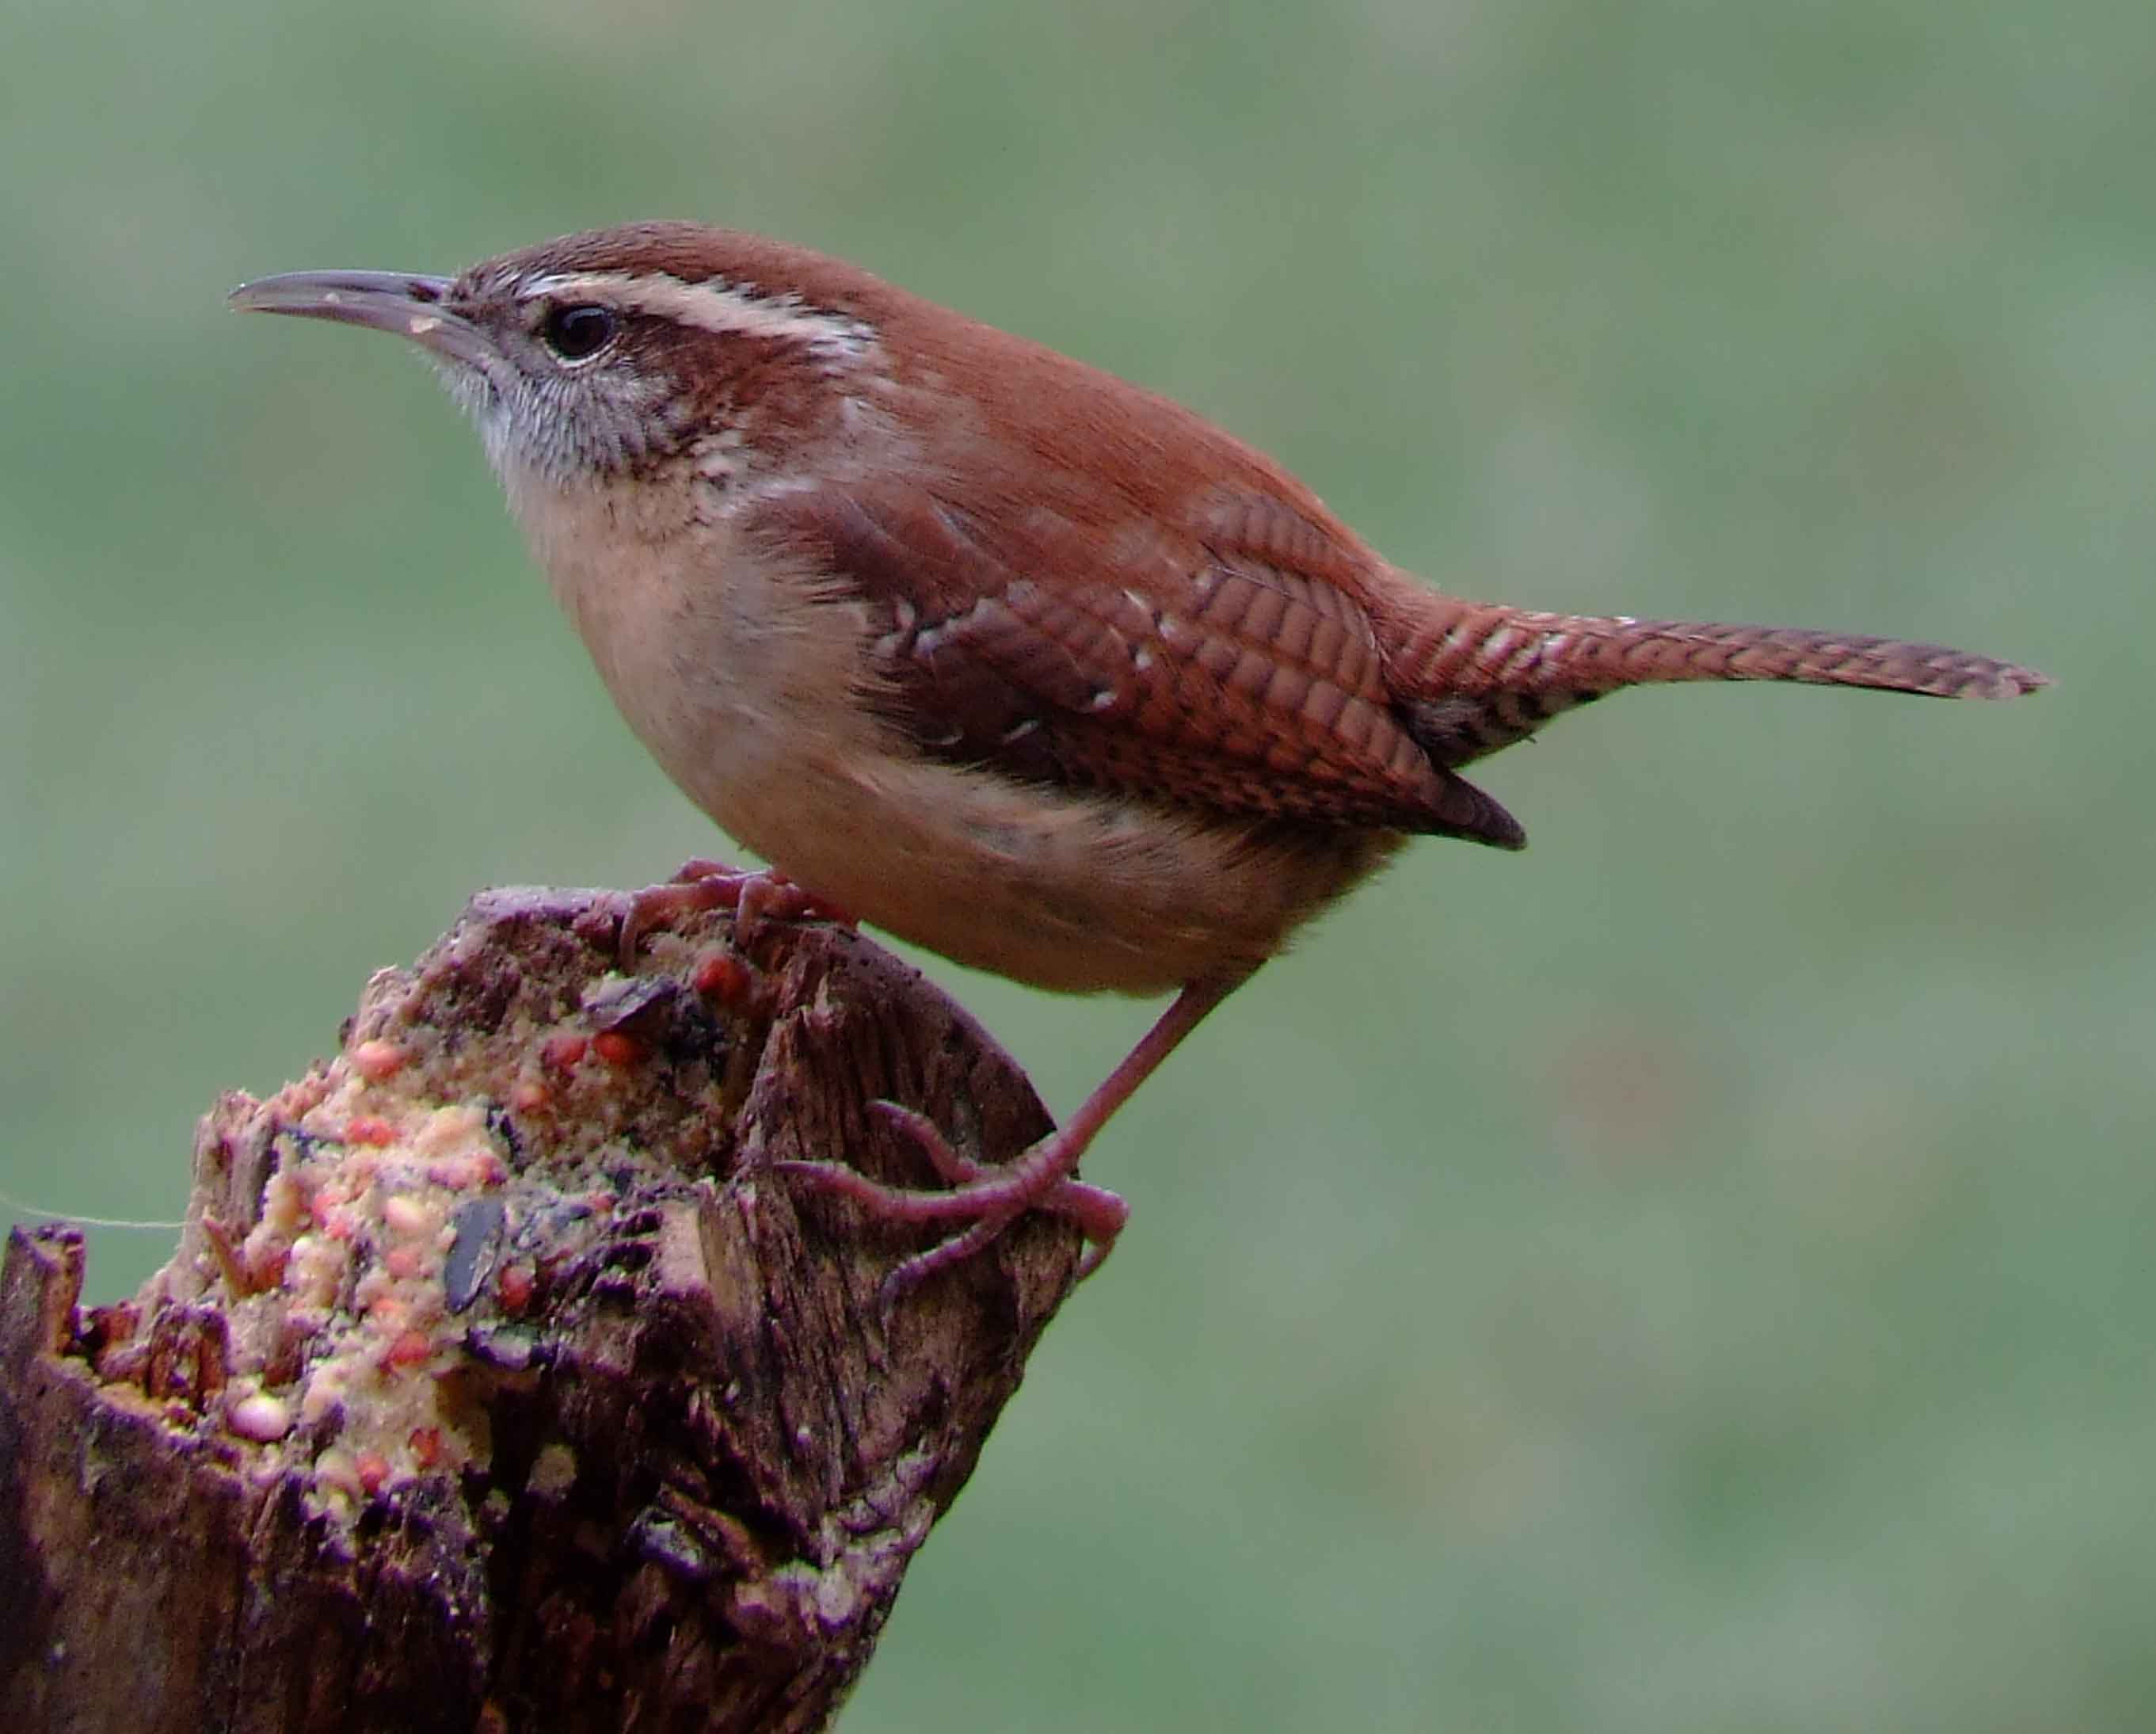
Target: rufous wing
[1216, 666]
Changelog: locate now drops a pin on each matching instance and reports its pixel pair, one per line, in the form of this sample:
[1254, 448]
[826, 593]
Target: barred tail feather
[1476, 678]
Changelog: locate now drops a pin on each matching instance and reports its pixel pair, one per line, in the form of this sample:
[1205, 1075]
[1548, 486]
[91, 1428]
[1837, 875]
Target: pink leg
[988, 1200]
[755, 897]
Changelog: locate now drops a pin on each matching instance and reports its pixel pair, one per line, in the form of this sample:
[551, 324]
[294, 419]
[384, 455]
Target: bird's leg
[987, 1200]
[755, 895]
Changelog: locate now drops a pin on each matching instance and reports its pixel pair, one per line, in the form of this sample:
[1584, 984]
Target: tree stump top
[495, 1382]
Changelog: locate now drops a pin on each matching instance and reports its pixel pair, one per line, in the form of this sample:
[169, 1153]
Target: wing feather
[1220, 666]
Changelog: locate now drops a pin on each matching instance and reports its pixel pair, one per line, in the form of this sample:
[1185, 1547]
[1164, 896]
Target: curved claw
[958, 1170]
[907, 1275]
[1099, 1212]
[988, 1199]
[756, 896]
[985, 1197]
[771, 896]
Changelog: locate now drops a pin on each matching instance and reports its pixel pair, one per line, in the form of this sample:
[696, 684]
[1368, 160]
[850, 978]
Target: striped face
[595, 372]
[602, 355]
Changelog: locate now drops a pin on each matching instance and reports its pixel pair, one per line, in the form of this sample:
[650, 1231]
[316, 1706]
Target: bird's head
[626, 351]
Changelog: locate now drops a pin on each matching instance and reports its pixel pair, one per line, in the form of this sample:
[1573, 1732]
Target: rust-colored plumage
[1009, 656]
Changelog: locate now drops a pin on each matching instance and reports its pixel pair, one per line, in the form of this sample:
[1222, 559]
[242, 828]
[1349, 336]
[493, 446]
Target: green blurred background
[1689, 1277]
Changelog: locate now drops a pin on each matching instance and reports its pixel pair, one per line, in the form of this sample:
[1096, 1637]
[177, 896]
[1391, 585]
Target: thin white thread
[27, 1211]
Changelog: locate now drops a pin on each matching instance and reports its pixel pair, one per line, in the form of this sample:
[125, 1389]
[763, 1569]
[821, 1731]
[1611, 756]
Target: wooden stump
[496, 1383]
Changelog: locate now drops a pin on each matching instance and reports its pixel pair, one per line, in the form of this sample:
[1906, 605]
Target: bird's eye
[579, 332]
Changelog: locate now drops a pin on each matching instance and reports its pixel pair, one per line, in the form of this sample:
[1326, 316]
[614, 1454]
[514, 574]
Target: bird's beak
[397, 302]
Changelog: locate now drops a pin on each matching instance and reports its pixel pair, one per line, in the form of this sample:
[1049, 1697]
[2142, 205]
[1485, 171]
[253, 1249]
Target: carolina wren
[1013, 658]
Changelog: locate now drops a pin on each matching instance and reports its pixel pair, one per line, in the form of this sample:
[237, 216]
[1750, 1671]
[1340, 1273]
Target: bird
[993, 650]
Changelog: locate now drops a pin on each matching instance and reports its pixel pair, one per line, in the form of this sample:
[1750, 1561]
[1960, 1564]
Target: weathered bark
[497, 1383]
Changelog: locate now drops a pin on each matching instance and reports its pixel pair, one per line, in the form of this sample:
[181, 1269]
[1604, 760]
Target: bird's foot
[754, 895]
[986, 1198]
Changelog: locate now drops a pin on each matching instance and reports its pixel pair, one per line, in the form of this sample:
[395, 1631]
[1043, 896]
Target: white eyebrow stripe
[714, 305]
